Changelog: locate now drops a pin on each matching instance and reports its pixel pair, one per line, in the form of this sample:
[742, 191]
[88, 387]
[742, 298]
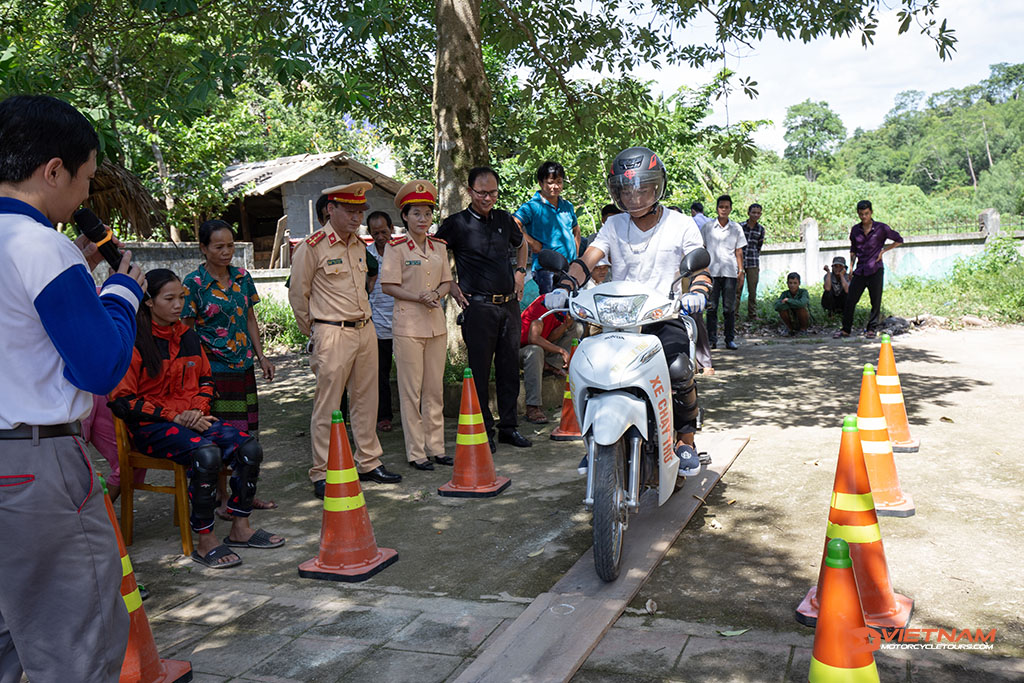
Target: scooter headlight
[619, 310]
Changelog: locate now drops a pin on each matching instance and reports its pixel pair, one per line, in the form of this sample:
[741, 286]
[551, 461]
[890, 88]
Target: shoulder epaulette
[437, 239]
[315, 238]
[398, 240]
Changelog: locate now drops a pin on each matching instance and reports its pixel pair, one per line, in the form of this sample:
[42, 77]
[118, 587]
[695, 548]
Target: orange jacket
[185, 381]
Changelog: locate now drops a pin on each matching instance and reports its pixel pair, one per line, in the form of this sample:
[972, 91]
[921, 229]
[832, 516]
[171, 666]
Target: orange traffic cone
[852, 517]
[348, 549]
[891, 394]
[568, 429]
[890, 501]
[142, 663]
[842, 643]
[473, 475]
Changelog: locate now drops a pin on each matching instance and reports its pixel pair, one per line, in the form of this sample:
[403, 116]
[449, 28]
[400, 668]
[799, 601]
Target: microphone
[89, 224]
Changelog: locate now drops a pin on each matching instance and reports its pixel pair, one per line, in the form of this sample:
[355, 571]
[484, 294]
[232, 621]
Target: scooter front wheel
[611, 515]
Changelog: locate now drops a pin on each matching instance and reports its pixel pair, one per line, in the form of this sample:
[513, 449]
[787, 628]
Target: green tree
[813, 132]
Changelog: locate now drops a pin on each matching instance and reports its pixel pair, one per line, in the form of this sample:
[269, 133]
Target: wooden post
[244, 221]
[275, 250]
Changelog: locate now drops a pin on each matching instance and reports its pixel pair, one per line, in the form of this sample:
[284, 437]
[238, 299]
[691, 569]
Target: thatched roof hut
[119, 198]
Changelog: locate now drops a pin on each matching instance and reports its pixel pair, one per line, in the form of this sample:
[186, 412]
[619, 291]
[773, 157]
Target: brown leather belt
[496, 299]
[42, 431]
[344, 323]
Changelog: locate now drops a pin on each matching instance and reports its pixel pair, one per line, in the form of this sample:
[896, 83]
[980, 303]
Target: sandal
[840, 334]
[259, 539]
[869, 334]
[210, 559]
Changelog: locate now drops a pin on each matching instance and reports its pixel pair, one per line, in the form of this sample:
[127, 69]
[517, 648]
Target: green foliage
[813, 132]
[278, 326]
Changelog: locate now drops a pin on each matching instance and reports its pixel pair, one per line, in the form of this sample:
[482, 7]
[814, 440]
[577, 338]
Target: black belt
[42, 431]
[345, 323]
[496, 299]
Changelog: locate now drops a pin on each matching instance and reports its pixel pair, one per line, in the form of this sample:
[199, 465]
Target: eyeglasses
[490, 193]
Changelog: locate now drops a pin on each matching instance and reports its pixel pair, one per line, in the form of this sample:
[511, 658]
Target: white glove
[691, 303]
[556, 299]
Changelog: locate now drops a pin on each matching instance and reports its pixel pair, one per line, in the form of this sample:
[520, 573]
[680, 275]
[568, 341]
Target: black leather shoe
[422, 465]
[444, 460]
[380, 475]
[319, 487]
[512, 436]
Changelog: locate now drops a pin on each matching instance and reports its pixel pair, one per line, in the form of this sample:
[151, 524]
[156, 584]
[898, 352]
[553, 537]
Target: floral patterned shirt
[221, 316]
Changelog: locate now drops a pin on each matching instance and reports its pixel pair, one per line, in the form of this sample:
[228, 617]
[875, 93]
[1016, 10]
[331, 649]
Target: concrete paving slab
[591, 676]
[310, 660]
[171, 634]
[636, 652]
[226, 651]
[365, 625]
[449, 634]
[729, 660]
[214, 609]
[396, 666]
[288, 616]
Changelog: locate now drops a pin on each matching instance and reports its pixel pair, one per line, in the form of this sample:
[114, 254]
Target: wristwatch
[521, 270]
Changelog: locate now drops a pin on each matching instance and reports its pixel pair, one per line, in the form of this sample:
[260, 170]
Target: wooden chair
[129, 460]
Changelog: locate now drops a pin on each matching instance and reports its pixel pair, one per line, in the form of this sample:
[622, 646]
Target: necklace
[642, 247]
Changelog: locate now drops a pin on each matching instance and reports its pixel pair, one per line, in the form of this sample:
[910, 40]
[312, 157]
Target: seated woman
[792, 305]
[165, 401]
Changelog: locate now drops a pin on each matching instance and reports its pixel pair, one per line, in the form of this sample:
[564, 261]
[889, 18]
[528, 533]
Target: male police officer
[328, 297]
[62, 617]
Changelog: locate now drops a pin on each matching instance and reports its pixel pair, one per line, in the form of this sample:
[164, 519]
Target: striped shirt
[755, 240]
[381, 305]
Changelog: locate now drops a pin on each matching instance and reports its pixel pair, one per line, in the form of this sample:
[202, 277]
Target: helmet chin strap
[654, 207]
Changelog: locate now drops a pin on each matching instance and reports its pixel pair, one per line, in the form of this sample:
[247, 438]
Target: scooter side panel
[610, 414]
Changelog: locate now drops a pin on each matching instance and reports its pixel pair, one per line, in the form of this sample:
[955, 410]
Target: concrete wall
[297, 196]
[182, 258]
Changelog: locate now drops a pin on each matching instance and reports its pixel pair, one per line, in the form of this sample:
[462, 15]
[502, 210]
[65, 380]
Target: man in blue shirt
[62, 617]
[549, 222]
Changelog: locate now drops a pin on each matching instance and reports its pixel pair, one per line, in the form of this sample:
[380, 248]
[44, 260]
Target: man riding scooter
[645, 244]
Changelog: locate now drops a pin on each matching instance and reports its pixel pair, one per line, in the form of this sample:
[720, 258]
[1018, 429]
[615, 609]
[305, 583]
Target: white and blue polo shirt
[60, 343]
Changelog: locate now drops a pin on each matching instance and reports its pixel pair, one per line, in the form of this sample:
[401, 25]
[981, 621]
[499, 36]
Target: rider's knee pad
[206, 460]
[250, 453]
[680, 371]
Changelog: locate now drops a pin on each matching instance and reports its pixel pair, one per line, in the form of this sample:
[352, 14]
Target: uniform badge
[331, 239]
[417, 262]
[334, 261]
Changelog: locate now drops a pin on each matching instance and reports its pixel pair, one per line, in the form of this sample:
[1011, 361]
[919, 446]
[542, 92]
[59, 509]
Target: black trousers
[724, 289]
[833, 303]
[385, 349]
[858, 283]
[676, 342]
[491, 333]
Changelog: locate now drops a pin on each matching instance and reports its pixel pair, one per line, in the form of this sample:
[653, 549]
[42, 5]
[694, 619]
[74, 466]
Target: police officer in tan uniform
[328, 296]
[416, 273]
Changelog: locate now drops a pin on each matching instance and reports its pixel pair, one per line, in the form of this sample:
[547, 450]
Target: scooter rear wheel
[610, 513]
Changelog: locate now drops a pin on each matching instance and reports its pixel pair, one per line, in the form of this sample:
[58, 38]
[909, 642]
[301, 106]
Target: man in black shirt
[479, 238]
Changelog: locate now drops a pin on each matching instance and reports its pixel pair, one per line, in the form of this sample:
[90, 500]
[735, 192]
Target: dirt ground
[745, 560]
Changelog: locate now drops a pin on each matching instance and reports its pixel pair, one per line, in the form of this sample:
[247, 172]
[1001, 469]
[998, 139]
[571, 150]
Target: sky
[860, 85]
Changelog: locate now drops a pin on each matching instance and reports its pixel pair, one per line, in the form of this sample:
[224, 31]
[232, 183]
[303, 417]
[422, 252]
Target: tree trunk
[988, 150]
[165, 185]
[462, 116]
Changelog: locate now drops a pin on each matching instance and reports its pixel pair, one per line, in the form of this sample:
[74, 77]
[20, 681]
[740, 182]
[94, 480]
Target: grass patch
[277, 325]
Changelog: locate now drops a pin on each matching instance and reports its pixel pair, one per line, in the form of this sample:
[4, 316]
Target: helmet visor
[638, 192]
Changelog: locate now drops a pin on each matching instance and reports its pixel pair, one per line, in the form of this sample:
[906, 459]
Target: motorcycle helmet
[636, 180]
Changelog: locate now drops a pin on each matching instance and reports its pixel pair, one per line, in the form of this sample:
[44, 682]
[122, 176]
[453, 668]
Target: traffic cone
[568, 429]
[890, 393]
[142, 663]
[842, 645]
[473, 475]
[852, 517]
[890, 501]
[348, 550]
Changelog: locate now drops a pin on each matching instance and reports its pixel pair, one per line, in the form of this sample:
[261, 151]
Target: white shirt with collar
[722, 243]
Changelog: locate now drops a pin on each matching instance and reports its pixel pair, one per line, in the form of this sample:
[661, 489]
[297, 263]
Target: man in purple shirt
[867, 246]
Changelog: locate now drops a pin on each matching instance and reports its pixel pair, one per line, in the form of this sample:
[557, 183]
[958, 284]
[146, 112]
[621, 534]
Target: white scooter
[622, 393]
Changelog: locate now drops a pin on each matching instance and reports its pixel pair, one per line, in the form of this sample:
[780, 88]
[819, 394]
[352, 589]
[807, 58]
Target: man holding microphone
[62, 617]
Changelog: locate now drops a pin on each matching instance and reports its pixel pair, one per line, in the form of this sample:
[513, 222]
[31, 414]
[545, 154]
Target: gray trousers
[62, 617]
[533, 358]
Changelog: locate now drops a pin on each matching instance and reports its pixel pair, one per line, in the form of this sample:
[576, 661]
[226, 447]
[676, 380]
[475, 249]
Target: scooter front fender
[609, 414]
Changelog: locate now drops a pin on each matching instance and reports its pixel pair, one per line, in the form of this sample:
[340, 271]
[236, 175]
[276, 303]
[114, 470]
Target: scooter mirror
[550, 259]
[697, 259]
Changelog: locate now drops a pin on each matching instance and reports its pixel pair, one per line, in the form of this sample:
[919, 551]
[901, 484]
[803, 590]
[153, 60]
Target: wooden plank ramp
[557, 632]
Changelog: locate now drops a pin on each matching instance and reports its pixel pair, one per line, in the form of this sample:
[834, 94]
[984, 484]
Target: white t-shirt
[722, 244]
[652, 256]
